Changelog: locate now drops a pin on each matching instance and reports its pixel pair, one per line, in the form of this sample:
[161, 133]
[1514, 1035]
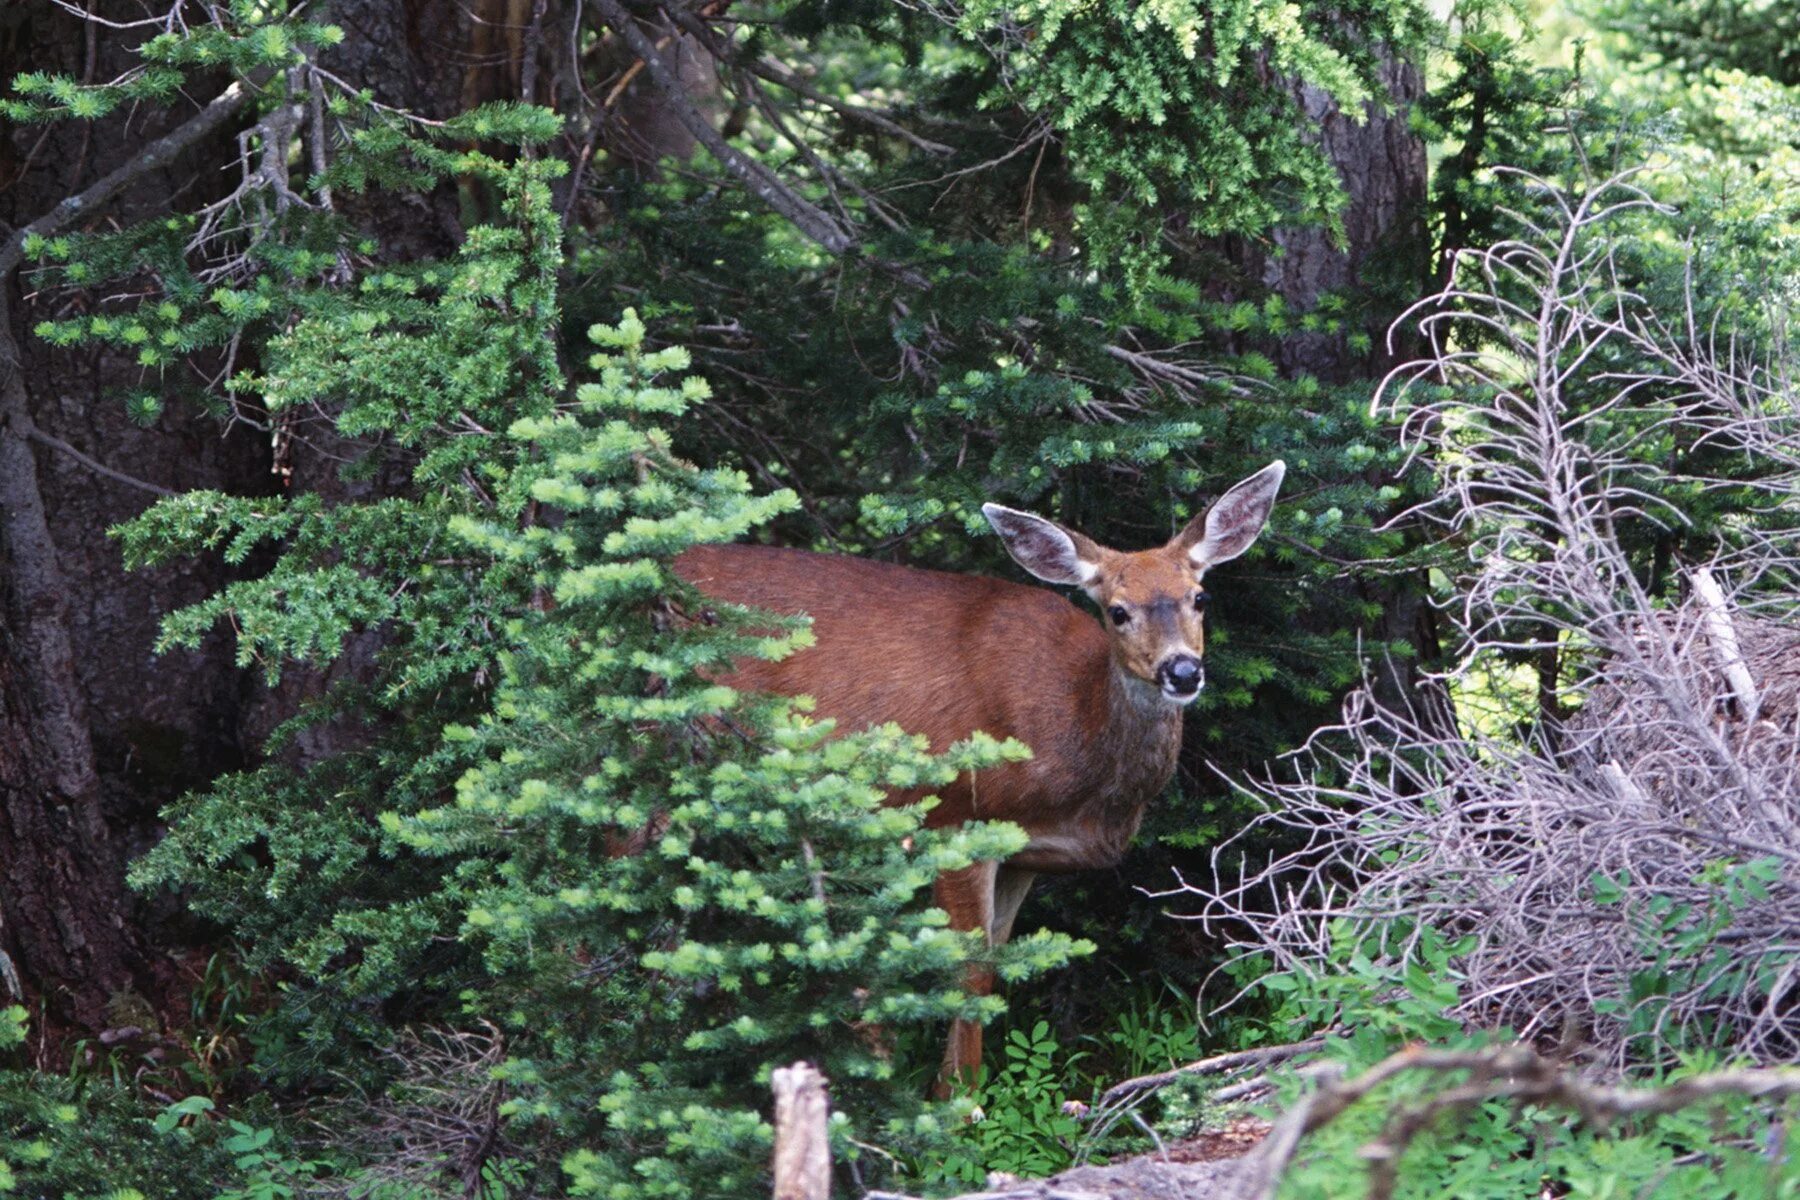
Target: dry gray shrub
[436, 1130]
[1624, 862]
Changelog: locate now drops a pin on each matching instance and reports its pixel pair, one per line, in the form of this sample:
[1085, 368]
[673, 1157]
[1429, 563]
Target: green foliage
[1687, 947]
[537, 703]
[771, 914]
[1018, 1115]
[1387, 984]
[1174, 104]
[1149, 1036]
[1498, 1150]
[268, 1173]
[1494, 1152]
[1758, 38]
[75, 1140]
[1491, 107]
[522, 692]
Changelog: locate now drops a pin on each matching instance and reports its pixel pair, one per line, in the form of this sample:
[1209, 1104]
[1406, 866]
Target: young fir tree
[767, 907]
[671, 889]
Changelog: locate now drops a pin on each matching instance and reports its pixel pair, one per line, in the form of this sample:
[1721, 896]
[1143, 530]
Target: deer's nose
[1181, 675]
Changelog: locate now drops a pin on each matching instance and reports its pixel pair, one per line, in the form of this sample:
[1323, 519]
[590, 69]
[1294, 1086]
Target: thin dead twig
[1219, 1064]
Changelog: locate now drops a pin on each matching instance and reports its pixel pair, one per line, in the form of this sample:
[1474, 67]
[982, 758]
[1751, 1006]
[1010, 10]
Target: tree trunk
[97, 733]
[1382, 263]
[62, 900]
[1384, 257]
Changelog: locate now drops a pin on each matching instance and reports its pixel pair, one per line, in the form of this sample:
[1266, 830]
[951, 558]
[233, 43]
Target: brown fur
[944, 655]
[947, 655]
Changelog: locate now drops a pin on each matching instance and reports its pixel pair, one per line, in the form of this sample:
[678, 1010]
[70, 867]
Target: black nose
[1181, 674]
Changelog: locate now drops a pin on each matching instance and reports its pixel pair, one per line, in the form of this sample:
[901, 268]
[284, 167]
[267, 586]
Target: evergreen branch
[778, 73]
[764, 184]
[157, 154]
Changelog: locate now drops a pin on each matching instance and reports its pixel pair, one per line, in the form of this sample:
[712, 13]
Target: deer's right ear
[1046, 549]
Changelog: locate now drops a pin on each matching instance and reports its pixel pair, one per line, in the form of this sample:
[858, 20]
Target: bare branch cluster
[1620, 866]
[437, 1125]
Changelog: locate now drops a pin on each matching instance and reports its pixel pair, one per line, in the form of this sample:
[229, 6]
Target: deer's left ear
[1232, 524]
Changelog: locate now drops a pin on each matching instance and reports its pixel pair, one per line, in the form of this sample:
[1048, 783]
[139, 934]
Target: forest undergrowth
[498, 892]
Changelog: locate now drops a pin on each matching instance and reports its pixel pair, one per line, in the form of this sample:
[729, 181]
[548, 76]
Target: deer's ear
[1046, 549]
[1233, 522]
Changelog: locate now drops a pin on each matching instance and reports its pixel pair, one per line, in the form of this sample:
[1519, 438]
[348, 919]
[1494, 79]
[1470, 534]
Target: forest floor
[1201, 1167]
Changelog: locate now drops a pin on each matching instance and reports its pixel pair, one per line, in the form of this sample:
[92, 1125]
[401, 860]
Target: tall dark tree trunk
[63, 937]
[97, 733]
[1382, 263]
[64, 914]
[1384, 256]
[60, 891]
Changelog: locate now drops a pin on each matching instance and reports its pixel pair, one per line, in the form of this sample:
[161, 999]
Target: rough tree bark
[96, 732]
[64, 930]
[1383, 260]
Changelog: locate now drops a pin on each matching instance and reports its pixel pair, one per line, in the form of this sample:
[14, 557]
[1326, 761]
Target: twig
[156, 154]
[1725, 643]
[779, 73]
[1217, 1065]
[763, 183]
[100, 468]
[802, 1162]
[315, 135]
[529, 53]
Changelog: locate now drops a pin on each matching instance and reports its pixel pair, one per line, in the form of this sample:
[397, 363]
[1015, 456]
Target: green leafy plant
[267, 1171]
[1019, 1118]
[85, 1137]
[1151, 1034]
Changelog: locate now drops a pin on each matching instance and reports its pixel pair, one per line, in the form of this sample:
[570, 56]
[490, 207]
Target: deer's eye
[1200, 599]
[1118, 614]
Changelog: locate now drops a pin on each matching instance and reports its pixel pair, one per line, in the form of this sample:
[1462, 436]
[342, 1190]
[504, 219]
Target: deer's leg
[1010, 886]
[968, 897]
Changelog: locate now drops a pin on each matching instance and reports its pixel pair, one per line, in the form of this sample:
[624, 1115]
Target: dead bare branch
[1636, 816]
[763, 183]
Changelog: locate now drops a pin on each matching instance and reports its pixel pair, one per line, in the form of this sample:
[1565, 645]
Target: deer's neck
[1139, 741]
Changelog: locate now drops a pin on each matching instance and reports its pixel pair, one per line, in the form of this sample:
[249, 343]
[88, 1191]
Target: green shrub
[1017, 1122]
[70, 1138]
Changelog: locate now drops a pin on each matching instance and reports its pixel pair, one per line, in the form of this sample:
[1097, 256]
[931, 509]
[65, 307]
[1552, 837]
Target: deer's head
[1152, 601]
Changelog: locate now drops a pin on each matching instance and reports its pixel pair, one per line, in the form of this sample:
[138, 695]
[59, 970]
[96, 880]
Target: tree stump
[802, 1148]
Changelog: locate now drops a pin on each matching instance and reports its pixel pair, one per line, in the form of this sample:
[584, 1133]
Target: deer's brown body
[928, 647]
[1098, 701]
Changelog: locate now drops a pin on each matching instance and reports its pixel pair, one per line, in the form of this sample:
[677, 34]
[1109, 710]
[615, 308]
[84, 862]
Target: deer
[1099, 703]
